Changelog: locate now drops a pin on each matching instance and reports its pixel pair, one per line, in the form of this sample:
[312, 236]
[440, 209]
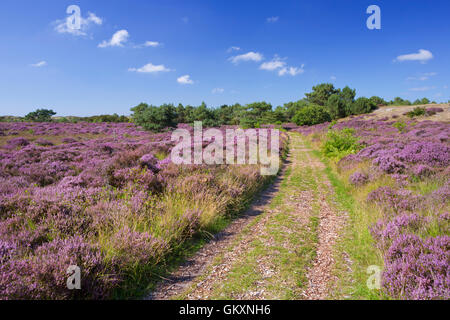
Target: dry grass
[398, 111]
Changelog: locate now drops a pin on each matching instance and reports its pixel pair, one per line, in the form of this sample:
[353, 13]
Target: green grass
[356, 240]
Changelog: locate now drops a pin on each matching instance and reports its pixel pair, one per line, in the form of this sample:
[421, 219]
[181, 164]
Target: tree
[321, 93]
[224, 114]
[400, 102]
[154, 118]
[279, 114]
[181, 114]
[378, 100]
[363, 105]
[40, 115]
[255, 113]
[205, 115]
[312, 114]
[348, 95]
[336, 106]
[424, 101]
[293, 107]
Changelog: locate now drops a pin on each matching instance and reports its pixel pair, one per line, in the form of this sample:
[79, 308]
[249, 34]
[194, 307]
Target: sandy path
[281, 248]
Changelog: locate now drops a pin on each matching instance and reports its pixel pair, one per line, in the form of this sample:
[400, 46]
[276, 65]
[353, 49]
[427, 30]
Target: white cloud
[117, 40]
[423, 77]
[185, 19]
[293, 71]
[218, 90]
[93, 18]
[231, 49]
[333, 78]
[445, 86]
[186, 79]
[147, 44]
[422, 56]
[421, 89]
[151, 68]
[272, 65]
[39, 64]
[278, 64]
[152, 44]
[249, 56]
[272, 19]
[62, 26]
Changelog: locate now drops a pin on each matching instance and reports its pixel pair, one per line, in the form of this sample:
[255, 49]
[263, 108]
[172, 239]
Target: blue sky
[182, 51]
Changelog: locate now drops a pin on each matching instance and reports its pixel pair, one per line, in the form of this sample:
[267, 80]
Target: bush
[40, 115]
[377, 100]
[340, 143]
[400, 125]
[311, 115]
[154, 118]
[433, 111]
[362, 105]
[321, 93]
[416, 112]
[336, 106]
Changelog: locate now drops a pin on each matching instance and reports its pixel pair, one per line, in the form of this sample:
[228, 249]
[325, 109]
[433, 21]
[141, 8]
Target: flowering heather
[417, 268]
[358, 178]
[433, 110]
[413, 231]
[395, 200]
[104, 197]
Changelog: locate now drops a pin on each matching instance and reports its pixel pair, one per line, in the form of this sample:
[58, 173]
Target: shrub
[321, 93]
[433, 111]
[40, 115]
[339, 144]
[417, 268]
[416, 112]
[400, 125]
[378, 100]
[311, 115]
[154, 118]
[336, 107]
[358, 178]
[362, 105]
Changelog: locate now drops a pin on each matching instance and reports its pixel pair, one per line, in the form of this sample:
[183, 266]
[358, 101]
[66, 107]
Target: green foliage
[291, 108]
[348, 95]
[336, 105]
[421, 101]
[399, 102]
[40, 115]
[416, 112]
[321, 93]
[340, 143]
[154, 118]
[312, 114]
[255, 113]
[362, 105]
[400, 125]
[378, 100]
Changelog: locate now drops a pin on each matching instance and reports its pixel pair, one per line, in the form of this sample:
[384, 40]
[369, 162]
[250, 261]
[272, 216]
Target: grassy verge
[355, 251]
[142, 279]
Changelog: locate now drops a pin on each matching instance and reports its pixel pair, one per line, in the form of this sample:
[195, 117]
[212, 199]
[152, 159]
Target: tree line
[324, 103]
